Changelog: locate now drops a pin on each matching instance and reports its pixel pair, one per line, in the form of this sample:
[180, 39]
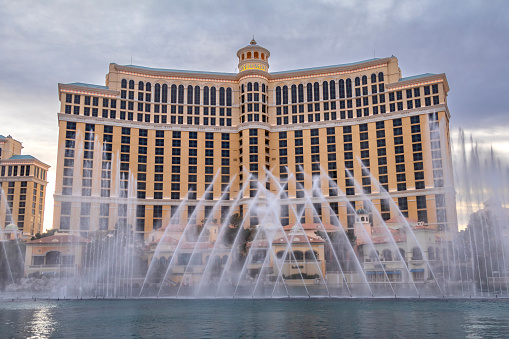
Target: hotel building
[22, 188]
[177, 132]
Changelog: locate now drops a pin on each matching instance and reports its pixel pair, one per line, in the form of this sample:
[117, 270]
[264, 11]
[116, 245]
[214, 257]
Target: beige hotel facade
[132, 150]
[23, 180]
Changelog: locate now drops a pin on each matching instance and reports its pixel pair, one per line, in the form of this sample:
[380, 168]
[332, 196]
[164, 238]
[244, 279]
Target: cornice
[253, 124]
[420, 81]
[25, 178]
[6, 162]
[68, 88]
[173, 202]
[271, 77]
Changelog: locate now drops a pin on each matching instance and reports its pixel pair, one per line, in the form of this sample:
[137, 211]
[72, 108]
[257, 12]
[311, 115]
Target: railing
[52, 265]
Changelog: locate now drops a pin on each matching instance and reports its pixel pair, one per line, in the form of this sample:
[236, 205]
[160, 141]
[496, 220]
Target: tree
[48, 233]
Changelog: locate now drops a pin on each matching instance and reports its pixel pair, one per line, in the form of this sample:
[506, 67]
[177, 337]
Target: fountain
[224, 258]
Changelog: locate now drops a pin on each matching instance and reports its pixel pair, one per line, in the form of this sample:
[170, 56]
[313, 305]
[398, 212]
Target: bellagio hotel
[151, 138]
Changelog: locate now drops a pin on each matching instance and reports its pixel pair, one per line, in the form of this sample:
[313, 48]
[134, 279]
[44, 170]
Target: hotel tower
[151, 138]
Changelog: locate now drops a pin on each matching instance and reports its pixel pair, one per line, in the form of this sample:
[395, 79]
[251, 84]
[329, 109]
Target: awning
[417, 270]
[370, 272]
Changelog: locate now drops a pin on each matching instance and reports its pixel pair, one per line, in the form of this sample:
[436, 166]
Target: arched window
[380, 76]
[173, 94]
[332, 89]
[164, 93]
[263, 88]
[53, 258]
[364, 80]
[221, 96]
[278, 95]
[301, 93]
[157, 93]
[311, 255]
[140, 86]
[249, 86]
[263, 56]
[402, 253]
[298, 255]
[317, 91]
[387, 254]
[189, 95]
[285, 95]
[228, 96]
[357, 81]
[280, 254]
[416, 253]
[249, 55]
[242, 88]
[181, 94]
[148, 87]
[325, 90]
[242, 56]
[124, 83]
[256, 86]
[213, 96]
[373, 78]
[373, 256]
[294, 94]
[348, 88]
[196, 95]
[341, 88]
[431, 253]
[256, 55]
[131, 84]
[309, 90]
[206, 95]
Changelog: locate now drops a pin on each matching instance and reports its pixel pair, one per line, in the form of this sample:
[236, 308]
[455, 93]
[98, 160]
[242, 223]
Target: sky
[43, 43]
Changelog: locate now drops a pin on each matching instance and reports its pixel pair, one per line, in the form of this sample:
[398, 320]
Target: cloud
[44, 43]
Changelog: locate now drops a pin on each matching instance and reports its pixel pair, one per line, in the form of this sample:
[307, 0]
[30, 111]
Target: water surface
[269, 318]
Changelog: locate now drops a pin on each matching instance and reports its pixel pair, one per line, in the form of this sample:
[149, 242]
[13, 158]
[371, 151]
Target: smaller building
[23, 181]
[59, 254]
[303, 255]
[10, 232]
[400, 250]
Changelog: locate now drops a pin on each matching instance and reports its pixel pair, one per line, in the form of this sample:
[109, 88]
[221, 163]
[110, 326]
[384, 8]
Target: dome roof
[11, 227]
[361, 211]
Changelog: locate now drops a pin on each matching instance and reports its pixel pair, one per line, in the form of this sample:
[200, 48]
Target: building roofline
[79, 87]
[24, 159]
[347, 67]
[173, 72]
[420, 79]
[329, 66]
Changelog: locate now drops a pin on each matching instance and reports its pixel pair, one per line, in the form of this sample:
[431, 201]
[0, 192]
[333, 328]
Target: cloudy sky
[43, 43]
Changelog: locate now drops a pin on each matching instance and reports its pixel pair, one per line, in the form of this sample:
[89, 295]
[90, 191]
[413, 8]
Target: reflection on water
[255, 318]
[42, 325]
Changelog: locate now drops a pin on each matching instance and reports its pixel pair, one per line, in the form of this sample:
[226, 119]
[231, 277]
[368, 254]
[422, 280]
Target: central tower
[253, 57]
[254, 123]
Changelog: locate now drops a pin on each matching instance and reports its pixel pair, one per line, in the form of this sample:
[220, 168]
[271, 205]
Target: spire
[253, 42]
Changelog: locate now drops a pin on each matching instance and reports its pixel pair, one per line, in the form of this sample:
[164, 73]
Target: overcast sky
[46, 42]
